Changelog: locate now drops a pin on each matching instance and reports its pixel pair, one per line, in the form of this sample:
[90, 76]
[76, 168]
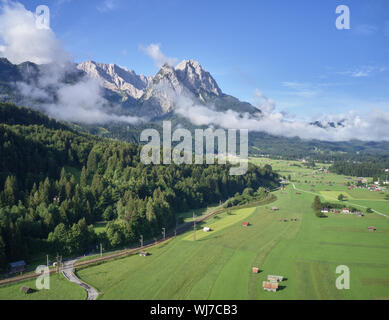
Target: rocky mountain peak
[196, 79]
[116, 78]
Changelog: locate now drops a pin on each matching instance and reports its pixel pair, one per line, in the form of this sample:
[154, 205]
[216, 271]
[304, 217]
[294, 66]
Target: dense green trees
[55, 183]
[372, 168]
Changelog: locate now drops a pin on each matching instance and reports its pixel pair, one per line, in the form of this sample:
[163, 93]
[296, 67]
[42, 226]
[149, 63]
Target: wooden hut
[270, 286]
[255, 270]
[275, 278]
[17, 267]
[27, 290]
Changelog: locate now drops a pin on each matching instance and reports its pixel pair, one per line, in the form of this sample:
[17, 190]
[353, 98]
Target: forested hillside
[56, 182]
[374, 168]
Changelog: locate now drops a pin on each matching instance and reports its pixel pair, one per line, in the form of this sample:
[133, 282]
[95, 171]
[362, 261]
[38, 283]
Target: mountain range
[157, 98]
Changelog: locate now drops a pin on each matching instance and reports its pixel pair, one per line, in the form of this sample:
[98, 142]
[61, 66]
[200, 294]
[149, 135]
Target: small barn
[27, 290]
[255, 270]
[275, 278]
[17, 267]
[372, 229]
[245, 224]
[270, 286]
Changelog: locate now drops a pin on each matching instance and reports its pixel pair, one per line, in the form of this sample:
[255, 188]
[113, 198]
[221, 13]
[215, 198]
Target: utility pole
[141, 241]
[164, 233]
[57, 266]
[101, 250]
[194, 227]
[47, 260]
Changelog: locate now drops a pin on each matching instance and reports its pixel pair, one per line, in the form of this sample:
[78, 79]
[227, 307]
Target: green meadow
[60, 289]
[218, 265]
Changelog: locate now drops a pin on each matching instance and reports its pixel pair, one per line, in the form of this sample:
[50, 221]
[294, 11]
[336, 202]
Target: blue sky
[289, 50]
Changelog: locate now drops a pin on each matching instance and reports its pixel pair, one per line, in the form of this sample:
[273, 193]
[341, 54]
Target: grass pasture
[60, 289]
[218, 264]
[306, 252]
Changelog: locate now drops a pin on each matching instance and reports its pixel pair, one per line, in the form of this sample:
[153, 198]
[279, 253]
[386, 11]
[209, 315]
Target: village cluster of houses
[342, 211]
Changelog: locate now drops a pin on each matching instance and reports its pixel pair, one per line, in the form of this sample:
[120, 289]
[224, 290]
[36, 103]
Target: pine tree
[10, 190]
[317, 204]
[83, 178]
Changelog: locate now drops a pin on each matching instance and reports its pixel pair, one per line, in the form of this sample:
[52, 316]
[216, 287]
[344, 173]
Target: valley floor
[218, 265]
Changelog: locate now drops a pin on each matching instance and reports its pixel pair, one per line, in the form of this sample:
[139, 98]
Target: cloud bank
[372, 126]
[22, 41]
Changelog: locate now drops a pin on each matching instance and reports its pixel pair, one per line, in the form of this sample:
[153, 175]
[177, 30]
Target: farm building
[27, 290]
[372, 229]
[255, 270]
[275, 278]
[144, 254]
[245, 224]
[206, 229]
[274, 209]
[17, 267]
[270, 286]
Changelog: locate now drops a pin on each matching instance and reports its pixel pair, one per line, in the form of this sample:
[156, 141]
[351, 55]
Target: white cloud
[265, 104]
[22, 41]
[154, 52]
[368, 127]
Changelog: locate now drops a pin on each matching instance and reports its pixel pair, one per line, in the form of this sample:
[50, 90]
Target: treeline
[374, 168]
[56, 183]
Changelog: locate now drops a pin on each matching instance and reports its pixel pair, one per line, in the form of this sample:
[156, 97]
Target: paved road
[68, 273]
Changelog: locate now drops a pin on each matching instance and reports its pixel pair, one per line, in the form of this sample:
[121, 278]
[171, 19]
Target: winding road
[68, 273]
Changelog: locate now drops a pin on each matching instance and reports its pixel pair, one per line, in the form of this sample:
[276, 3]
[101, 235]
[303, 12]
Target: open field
[306, 252]
[60, 289]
